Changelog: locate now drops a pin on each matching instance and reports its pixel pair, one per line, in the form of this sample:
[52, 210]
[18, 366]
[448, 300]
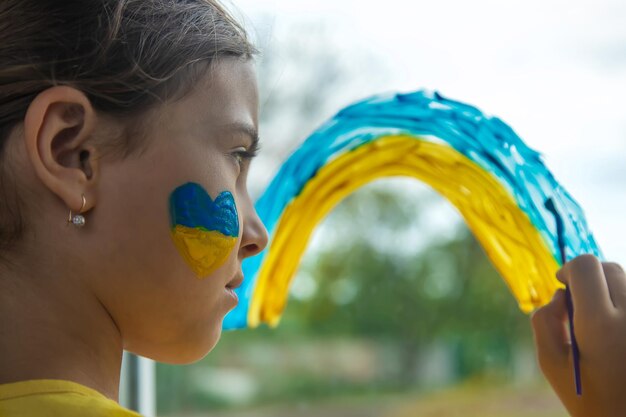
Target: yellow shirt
[56, 398]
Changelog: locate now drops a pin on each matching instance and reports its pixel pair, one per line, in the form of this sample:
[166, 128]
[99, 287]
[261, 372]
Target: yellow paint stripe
[507, 235]
[204, 251]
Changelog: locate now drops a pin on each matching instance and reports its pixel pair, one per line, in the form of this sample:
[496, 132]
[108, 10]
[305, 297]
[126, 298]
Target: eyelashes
[247, 155]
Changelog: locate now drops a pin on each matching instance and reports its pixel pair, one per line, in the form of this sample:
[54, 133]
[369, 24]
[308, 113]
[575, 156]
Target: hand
[599, 296]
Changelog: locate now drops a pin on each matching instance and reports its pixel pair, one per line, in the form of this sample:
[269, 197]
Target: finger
[616, 281]
[551, 338]
[590, 291]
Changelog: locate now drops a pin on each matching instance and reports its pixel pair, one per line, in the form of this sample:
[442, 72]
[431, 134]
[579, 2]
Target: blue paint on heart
[192, 206]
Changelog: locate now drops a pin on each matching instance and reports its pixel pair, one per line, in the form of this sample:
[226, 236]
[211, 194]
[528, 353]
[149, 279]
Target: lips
[235, 282]
[232, 284]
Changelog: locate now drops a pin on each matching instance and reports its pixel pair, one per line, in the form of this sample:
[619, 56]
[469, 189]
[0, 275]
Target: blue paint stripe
[191, 206]
[487, 141]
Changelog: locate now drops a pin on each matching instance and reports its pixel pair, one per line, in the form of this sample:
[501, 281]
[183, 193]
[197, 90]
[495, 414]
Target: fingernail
[558, 294]
[560, 274]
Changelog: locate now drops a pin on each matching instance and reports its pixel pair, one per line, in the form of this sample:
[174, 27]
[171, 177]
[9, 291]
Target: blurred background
[395, 310]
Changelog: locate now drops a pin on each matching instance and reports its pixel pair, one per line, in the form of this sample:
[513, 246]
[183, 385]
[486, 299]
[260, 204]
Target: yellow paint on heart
[505, 232]
[204, 251]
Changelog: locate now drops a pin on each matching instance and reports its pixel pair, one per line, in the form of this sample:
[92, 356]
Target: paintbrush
[560, 232]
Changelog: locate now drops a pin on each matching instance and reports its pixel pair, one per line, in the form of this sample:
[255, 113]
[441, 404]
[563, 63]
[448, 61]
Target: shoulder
[51, 398]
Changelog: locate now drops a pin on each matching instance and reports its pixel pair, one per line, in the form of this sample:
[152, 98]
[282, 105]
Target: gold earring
[77, 220]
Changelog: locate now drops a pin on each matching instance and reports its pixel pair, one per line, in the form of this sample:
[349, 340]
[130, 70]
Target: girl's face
[162, 279]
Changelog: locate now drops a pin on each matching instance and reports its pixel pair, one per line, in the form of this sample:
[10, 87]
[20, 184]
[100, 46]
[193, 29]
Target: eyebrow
[249, 131]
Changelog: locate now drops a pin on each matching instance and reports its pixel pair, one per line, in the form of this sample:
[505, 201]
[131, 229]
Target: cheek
[205, 231]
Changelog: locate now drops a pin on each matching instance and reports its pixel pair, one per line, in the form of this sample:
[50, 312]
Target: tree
[447, 290]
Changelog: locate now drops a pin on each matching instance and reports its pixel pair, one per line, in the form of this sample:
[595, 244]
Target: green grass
[475, 399]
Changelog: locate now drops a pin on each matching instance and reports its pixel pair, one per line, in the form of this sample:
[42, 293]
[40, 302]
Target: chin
[189, 350]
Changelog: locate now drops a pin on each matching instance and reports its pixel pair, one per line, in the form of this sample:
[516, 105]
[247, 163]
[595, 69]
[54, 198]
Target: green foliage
[448, 291]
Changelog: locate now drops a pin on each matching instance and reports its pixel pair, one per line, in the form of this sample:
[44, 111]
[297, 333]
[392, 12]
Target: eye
[239, 157]
[243, 155]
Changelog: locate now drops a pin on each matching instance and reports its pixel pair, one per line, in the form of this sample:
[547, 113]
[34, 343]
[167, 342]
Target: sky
[553, 70]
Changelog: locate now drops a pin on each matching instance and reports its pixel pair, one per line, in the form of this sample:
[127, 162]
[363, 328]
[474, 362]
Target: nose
[254, 237]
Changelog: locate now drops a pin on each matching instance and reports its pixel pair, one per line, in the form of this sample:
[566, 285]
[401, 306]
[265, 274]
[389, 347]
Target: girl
[127, 129]
[126, 132]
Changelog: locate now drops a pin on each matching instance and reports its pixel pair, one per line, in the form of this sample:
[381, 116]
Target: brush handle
[560, 234]
[575, 351]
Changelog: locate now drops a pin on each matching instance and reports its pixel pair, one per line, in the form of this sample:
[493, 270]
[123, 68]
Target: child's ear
[57, 128]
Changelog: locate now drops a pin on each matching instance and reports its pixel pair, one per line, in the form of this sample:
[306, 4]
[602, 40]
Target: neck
[52, 327]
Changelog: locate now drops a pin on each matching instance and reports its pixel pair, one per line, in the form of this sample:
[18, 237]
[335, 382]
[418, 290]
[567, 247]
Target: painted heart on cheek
[204, 230]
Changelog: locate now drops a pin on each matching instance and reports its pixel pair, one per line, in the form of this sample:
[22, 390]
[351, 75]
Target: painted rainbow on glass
[498, 184]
